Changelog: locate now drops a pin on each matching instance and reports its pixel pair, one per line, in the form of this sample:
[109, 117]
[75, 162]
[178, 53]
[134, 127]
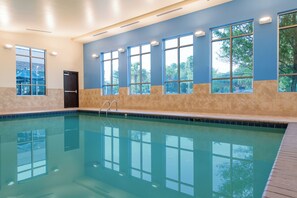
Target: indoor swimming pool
[83, 155]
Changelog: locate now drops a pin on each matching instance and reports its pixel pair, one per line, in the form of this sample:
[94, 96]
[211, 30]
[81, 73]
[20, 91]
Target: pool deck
[282, 182]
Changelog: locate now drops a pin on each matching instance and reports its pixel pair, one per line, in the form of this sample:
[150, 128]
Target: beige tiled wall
[9, 101]
[265, 100]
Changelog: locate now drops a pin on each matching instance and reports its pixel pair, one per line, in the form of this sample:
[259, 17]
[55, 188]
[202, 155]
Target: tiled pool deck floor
[283, 179]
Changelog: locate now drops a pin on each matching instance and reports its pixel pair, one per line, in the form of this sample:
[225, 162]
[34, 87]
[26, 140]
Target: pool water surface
[82, 155]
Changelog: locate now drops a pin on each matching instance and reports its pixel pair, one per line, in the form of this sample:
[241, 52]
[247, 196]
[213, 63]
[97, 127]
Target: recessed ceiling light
[170, 11]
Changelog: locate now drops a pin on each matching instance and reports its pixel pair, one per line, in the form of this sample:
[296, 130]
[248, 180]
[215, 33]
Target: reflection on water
[88, 156]
[31, 154]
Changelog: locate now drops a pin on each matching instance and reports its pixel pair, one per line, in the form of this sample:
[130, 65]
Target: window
[180, 164]
[31, 157]
[232, 59]
[141, 155]
[30, 71]
[288, 52]
[179, 65]
[140, 69]
[111, 73]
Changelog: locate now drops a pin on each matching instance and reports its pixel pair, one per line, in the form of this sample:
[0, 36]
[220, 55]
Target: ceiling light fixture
[129, 24]
[154, 43]
[121, 50]
[37, 30]
[199, 33]
[100, 33]
[95, 56]
[8, 46]
[168, 12]
[265, 20]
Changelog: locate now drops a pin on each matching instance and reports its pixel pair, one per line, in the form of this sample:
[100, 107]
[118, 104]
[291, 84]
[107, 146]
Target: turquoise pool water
[87, 156]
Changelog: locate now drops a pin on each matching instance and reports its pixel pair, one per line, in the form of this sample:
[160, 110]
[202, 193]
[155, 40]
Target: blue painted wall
[265, 40]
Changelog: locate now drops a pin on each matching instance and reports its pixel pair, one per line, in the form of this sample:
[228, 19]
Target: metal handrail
[114, 101]
[105, 102]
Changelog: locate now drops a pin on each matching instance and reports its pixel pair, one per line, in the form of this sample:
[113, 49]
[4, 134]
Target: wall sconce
[265, 20]
[53, 53]
[199, 33]
[121, 50]
[8, 46]
[95, 56]
[154, 43]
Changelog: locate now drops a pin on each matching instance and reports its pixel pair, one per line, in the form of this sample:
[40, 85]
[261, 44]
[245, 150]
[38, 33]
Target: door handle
[70, 91]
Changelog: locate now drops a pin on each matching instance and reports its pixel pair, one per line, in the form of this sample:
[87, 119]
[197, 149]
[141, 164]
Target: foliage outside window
[288, 52]
[179, 65]
[30, 71]
[140, 69]
[111, 73]
[232, 58]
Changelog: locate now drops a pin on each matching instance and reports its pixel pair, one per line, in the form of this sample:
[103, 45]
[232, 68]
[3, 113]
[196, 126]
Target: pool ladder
[110, 103]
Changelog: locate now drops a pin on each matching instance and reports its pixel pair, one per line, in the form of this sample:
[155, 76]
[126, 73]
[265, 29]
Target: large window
[140, 69]
[111, 73]
[30, 71]
[288, 52]
[232, 58]
[179, 65]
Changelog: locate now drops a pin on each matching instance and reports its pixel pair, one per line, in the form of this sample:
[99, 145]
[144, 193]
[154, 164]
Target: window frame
[31, 66]
[111, 85]
[230, 38]
[279, 29]
[178, 63]
[140, 54]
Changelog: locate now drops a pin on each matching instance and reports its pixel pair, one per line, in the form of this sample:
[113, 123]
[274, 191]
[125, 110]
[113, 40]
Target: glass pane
[245, 28]
[115, 54]
[115, 72]
[287, 48]
[107, 56]
[221, 33]
[288, 19]
[171, 87]
[115, 90]
[171, 43]
[220, 86]
[186, 40]
[135, 50]
[186, 87]
[171, 58]
[23, 90]
[38, 71]
[146, 48]
[38, 53]
[146, 88]
[135, 89]
[186, 63]
[146, 68]
[107, 72]
[106, 90]
[23, 73]
[242, 56]
[244, 85]
[221, 59]
[287, 83]
[22, 50]
[135, 69]
[38, 90]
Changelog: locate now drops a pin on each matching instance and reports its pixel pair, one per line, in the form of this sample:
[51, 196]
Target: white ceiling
[81, 19]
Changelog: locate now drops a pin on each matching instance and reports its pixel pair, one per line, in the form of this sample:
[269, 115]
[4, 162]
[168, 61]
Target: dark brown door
[70, 89]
